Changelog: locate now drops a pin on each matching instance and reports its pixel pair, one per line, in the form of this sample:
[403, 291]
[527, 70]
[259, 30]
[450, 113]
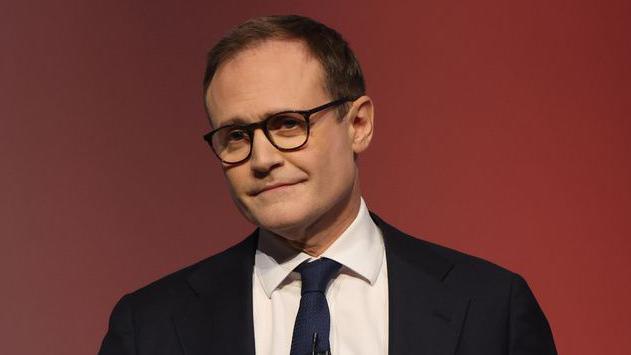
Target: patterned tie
[313, 320]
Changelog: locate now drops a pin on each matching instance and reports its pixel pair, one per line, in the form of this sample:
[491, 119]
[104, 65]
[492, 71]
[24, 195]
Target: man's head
[274, 64]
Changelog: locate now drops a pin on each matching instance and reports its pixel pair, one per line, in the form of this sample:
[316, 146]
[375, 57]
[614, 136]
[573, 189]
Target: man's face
[318, 178]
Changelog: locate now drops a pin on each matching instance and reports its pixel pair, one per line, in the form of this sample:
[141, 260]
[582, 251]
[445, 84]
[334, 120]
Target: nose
[265, 156]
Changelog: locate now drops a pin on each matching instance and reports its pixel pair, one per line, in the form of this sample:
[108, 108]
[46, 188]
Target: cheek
[334, 162]
[237, 186]
[235, 180]
[339, 150]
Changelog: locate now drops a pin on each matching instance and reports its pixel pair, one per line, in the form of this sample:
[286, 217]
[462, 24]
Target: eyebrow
[240, 121]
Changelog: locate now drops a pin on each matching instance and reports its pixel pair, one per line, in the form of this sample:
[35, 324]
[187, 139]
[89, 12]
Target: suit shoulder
[471, 275]
[414, 248]
[454, 267]
[174, 286]
[465, 260]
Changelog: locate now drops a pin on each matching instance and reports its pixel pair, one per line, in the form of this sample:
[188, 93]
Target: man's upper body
[286, 98]
[440, 302]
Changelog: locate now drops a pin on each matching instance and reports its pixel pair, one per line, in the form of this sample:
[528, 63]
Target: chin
[282, 218]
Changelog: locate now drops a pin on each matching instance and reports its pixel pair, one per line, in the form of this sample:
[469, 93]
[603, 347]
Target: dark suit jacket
[442, 302]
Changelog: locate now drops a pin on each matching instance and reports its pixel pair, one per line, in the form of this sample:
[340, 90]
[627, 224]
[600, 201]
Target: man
[286, 98]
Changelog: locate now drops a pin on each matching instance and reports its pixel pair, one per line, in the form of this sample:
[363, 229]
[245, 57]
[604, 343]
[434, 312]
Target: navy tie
[311, 329]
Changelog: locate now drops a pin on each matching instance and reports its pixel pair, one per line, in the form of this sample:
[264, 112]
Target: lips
[273, 186]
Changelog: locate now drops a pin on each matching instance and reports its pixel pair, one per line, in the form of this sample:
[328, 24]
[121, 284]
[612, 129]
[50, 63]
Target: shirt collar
[275, 260]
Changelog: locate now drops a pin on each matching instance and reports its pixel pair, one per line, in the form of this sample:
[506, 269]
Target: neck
[317, 237]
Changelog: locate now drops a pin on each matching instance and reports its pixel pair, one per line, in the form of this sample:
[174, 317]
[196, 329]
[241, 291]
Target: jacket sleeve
[529, 331]
[119, 339]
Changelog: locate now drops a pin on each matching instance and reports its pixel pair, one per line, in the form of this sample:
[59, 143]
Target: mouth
[272, 187]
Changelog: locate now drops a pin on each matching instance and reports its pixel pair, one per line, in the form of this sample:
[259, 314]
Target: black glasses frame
[250, 128]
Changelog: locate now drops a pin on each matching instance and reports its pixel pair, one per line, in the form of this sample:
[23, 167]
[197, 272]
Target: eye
[235, 135]
[288, 122]
[285, 122]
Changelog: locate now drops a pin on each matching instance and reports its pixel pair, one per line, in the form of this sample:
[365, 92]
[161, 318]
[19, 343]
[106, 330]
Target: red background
[502, 130]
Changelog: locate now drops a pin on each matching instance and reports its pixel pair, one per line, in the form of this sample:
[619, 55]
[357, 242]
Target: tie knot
[317, 274]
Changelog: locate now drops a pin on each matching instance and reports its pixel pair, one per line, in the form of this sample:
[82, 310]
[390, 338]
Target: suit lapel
[425, 316]
[218, 320]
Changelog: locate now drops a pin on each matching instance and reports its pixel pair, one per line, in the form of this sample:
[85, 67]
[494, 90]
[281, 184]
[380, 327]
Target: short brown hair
[342, 73]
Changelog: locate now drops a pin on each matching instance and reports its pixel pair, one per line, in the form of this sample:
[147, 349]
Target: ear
[361, 123]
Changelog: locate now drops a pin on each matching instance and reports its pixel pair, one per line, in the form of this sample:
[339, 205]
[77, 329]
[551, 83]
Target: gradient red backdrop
[502, 130]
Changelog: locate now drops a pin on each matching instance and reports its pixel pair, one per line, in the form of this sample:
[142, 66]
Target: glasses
[287, 131]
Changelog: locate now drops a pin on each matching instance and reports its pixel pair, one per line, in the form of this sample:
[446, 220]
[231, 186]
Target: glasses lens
[232, 144]
[287, 130]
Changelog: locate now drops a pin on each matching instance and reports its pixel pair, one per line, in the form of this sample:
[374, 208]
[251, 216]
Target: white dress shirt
[357, 295]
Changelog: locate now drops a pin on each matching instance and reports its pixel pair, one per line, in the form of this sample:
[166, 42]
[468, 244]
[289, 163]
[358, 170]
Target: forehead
[274, 75]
